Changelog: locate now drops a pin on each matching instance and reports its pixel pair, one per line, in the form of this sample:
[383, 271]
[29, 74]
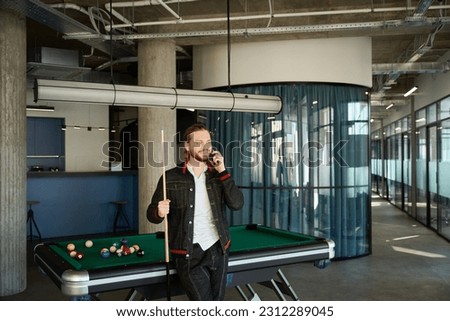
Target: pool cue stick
[166, 223]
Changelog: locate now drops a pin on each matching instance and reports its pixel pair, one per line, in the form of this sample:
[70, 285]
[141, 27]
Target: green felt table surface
[243, 239]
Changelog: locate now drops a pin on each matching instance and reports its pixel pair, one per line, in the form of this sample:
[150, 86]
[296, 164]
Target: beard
[201, 156]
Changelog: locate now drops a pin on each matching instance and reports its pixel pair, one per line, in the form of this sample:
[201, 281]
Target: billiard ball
[79, 255]
[126, 250]
[140, 252]
[70, 247]
[105, 254]
[136, 247]
[88, 243]
[73, 253]
[119, 252]
[132, 250]
[112, 249]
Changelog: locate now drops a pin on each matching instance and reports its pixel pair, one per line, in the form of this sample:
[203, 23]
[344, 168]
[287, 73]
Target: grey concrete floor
[408, 263]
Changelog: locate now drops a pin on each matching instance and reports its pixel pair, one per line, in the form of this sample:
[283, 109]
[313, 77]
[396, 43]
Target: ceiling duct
[51, 63]
[410, 67]
[422, 8]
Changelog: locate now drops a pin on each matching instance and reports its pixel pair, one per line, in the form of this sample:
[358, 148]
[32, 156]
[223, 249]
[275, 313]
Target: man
[197, 192]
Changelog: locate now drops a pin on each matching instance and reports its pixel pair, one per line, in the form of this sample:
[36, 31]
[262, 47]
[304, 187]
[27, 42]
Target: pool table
[257, 254]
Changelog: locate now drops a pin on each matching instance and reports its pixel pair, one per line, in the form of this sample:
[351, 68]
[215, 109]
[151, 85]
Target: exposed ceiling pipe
[161, 2]
[426, 46]
[183, 51]
[133, 4]
[410, 67]
[422, 8]
[384, 103]
[93, 13]
[114, 62]
[270, 12]
[69, 6]
[90, 13]
[110, 8]
[135, 59]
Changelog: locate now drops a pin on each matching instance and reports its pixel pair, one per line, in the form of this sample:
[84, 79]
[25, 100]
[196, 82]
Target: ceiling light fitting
[141, 96]
[389, 106]
[409, 92]
[40, 108]
[89, 128]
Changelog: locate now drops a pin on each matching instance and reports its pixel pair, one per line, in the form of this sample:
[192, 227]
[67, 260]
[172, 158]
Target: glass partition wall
[431, 139]
[443, 179]
[305, 169]
[376, 149]
[397, 165]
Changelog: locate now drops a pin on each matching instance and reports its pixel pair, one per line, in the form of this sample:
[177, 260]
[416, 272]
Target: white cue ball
[70, 247]
[88, 243]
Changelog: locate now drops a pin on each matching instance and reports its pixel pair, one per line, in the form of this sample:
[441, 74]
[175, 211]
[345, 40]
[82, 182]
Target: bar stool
[120, 215]
[31, 222]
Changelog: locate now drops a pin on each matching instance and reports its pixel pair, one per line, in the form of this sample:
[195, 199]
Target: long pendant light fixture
[141, 96]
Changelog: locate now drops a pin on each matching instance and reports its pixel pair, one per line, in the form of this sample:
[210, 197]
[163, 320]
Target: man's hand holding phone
[216, 160]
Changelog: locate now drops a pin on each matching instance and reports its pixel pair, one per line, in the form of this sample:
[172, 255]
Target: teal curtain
[305, 169]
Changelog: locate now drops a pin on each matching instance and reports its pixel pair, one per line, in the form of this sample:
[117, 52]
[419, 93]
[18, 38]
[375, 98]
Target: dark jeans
[204, 275]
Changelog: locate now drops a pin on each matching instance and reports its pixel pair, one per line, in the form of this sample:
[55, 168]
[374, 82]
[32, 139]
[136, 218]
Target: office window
[444, 108]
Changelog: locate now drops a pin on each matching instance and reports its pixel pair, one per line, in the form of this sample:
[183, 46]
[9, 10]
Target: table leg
[242, 293]
[281, 287]
[285, 281]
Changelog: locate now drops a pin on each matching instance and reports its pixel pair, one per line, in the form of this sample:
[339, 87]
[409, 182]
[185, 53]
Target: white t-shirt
[205, 231]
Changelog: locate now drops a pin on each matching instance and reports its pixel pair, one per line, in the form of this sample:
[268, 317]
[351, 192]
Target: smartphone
[211, 158]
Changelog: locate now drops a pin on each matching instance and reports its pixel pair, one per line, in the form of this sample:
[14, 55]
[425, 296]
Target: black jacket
[180, 189]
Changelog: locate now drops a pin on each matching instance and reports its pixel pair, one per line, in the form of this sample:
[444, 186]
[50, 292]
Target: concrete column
[13, 243]
[157, 67]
